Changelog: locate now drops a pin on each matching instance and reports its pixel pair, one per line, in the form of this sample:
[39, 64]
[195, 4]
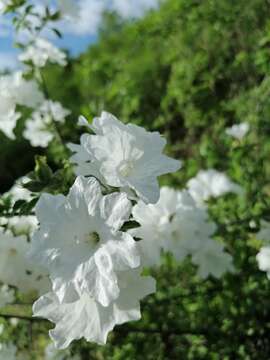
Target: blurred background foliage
[189, 70]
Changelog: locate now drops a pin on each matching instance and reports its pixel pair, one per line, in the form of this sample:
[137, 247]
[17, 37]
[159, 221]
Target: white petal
[116, 209]
[88, 319]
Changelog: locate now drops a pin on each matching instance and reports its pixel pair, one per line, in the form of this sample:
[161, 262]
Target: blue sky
[79, 34]
[74, 43]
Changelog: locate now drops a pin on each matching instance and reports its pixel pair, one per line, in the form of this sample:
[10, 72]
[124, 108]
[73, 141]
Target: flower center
[126, 168]
[93, 238]
[12, 252]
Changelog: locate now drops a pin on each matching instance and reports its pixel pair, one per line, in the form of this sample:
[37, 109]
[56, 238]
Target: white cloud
[8, 61]
[90, 13]
[89, 18]
[133, 8]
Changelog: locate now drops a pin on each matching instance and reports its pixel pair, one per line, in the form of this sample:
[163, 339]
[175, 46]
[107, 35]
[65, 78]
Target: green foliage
[188, 70]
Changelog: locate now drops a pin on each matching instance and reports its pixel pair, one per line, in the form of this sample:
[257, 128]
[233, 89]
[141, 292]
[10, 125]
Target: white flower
[264, 233]
[125, 156]
[155, 221]
[15, 268]
[8, 122]
[87, 318]
[37, 130]
[14, 89]
[26, 92]
[80, 243]
[55, 110]
[212, 260]
[8, 352]
[211, 183]
[238, 131]
[18, 192]
[6, 296]
[263, 259]
[190, 229]
[41, 52]
[175, 224]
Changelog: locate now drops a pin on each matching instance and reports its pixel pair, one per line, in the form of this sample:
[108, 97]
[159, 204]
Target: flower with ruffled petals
[37, 130]
[41, 52]
[80, 241]
[211, 259]
[124, 156]
[211, 183]
[87, 318]
[175, 224]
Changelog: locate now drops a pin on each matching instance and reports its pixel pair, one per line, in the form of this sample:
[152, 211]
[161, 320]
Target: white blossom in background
[6, 295]
[15, 268]
[125, 156]
[264, 233]
[25, 92]
[18, 192]
[238, 131]
[177, 225]
[80, 241]
[211, 259]
[55, 110]
[155, 221]
[87, 318]
[41, 52]
[211, 183]
[263, 259]
[15, 90]
[8, 122]
[191, 228]
[37, 130]
[8, 352]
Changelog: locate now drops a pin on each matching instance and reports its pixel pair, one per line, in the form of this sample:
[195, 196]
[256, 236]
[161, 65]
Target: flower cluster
[84, 252]
[94, 265]
[42, 51]
[38, 128]
[124, 156]
[16, 90]
[177, 225]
